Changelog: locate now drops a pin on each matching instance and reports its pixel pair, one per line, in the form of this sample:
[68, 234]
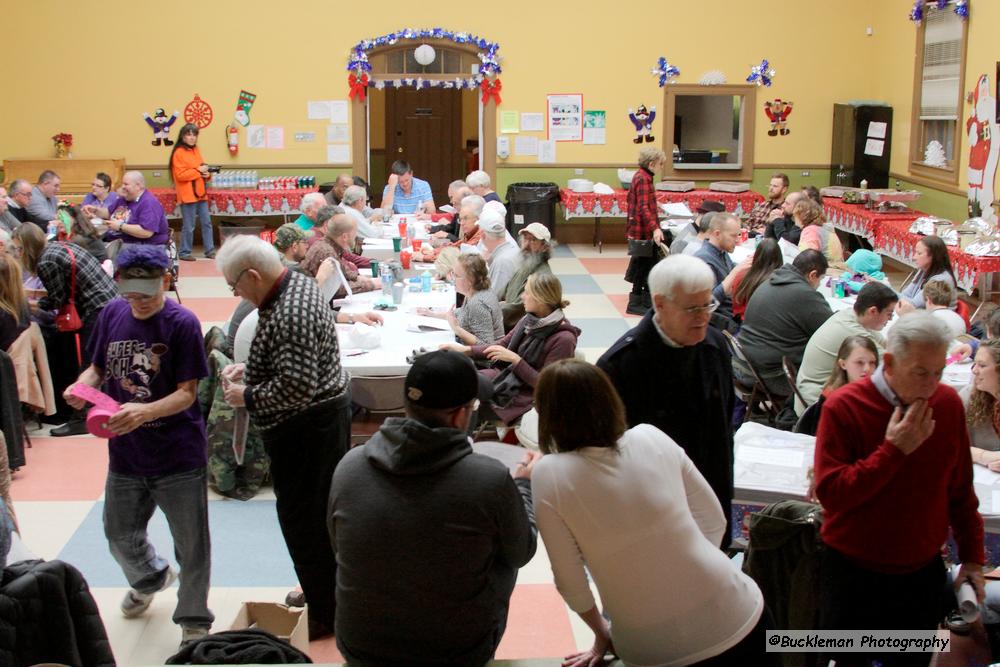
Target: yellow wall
[154, 57]
[896, 73]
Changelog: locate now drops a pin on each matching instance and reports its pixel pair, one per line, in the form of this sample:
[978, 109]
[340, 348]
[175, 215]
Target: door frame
[361, 126]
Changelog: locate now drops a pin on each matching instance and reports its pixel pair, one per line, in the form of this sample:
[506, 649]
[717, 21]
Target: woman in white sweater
[631, 509]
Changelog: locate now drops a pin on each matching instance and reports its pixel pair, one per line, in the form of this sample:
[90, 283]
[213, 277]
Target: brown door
[424, 127]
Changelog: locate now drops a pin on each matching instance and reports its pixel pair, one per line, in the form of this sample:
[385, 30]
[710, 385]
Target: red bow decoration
[358, 85]
[491, 88]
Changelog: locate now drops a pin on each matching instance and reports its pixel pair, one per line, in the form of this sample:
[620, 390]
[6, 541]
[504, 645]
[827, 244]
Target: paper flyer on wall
[565, 117]
[594, 123]
[547, 151]
[275, 136]
[524, 145]
[532, 122]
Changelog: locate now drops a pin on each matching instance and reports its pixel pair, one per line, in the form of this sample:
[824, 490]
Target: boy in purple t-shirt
[148, 355]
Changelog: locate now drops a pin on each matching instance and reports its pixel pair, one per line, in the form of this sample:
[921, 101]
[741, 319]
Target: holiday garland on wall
[761, 74]
[487, 79]
[917, 12]
[665, 72]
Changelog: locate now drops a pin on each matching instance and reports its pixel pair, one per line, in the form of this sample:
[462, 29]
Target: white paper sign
[565, 117]
[318, 109]
[255, 136]
[874, 147]
[532, 122]
[877, 130]
[525, 145]
[338, 111]
[337, 133]
[275, 136]
[547, 151]
[338, 153]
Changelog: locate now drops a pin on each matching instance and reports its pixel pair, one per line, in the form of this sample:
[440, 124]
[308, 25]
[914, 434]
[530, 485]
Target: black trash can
[531, 202]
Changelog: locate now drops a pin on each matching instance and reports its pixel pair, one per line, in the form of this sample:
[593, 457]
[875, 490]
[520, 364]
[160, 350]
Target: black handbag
[641, 248]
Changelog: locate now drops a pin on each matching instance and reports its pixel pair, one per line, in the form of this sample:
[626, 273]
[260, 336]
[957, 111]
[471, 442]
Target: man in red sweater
[894, 472]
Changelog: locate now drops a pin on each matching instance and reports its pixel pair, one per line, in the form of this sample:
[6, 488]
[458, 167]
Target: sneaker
[186, 258]
[192, 633]
[210, 254]
[135, 603]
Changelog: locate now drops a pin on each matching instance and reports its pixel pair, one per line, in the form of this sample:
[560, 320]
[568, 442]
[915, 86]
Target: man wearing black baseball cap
[428, 534]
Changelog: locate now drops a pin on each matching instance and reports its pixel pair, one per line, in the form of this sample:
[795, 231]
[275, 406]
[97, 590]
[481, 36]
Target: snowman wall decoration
[981, 127]
[643, 121]
[160, 124]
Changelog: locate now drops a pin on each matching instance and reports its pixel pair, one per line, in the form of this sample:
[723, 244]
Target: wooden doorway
[424, 127]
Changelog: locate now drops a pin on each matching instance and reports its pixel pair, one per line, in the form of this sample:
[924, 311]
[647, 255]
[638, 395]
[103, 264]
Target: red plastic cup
[404, 259]
[402, 228]
[416, 244]
[744, 234]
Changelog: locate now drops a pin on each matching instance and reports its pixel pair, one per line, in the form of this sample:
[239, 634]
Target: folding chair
[791, 373]
[376, 395]
[756, 395]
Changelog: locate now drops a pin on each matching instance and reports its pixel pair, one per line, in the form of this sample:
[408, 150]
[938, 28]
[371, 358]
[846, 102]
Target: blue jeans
[188, 213]
[129, 502]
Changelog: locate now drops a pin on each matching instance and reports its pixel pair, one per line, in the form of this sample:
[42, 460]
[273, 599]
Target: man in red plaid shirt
[643, 224]
[769, 210]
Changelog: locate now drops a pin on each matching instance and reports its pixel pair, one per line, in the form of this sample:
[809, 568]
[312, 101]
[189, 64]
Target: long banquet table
[889, 235]
[592, 205]
[239, 202]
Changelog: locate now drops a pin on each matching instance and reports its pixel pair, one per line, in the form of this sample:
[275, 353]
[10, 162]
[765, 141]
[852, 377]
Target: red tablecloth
[239, 202]
[590, 205]
[857, 220]
[895, 240]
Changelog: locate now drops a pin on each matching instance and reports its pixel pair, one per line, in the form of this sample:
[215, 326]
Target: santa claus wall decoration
[777, 112]
[981, 129]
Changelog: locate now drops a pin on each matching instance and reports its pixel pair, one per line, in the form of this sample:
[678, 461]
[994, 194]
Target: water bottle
[386, 274]
[425, 281]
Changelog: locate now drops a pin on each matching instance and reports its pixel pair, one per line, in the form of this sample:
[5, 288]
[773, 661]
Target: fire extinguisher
[232, 139]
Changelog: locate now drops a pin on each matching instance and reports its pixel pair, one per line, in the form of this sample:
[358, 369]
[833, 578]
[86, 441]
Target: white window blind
[940, 91]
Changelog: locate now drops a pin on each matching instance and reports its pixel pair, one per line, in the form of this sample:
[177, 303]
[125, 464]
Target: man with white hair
[143, 220]
[293, 384]
[499, 250]
[354, 201]
[536, 251]
[674, 371]
[18, 198]
[894, 474]
[8, 221]
[469, 233]
[480, 184]
[311, 204]
[457, 191]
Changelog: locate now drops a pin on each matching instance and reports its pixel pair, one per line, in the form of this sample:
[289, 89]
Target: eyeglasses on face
[232, 285]
[711, 307]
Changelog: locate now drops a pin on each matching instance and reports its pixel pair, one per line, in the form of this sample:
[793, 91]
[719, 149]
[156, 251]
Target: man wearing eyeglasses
[429, 534]
[299, 396]
[147, 354]
[674, 371]
[18, 199]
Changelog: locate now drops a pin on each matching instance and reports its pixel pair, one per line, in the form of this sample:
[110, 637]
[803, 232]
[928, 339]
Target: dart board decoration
[198, 112]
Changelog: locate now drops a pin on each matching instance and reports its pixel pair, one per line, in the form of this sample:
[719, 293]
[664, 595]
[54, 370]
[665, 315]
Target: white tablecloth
[389, 358]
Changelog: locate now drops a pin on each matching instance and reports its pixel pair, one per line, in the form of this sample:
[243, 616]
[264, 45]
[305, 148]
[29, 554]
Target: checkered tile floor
[58, 496]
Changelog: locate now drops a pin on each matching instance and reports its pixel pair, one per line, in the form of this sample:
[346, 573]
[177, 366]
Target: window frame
[917, 168]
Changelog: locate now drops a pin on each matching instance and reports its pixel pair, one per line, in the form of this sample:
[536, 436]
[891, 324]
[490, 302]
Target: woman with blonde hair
[541, 337]
[816, 233]
[14, 317]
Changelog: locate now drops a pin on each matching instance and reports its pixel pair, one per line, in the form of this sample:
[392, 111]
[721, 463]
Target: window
[403, 61]
[937, 93]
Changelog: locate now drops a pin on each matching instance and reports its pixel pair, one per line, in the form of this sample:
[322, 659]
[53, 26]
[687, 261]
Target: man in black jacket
[784, 227]
[674, 371]
[428, 534]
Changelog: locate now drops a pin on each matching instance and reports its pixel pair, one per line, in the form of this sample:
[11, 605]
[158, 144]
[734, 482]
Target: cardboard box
[283, 622]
